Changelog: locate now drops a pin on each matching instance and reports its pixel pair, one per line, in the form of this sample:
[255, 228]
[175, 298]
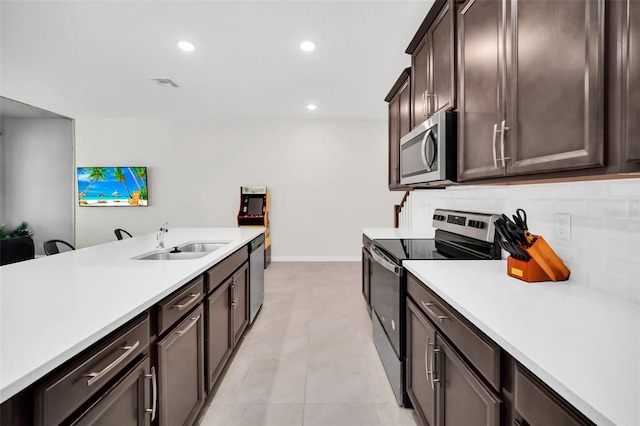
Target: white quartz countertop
[584, 344]
[54, 307]
[388, 233]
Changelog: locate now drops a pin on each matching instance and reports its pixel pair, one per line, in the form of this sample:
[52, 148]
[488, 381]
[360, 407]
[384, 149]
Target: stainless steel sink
[202, 246]
[190, 250]
[165, 255]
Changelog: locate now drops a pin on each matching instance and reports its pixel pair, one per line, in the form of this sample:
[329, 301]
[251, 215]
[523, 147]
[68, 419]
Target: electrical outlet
[563, 226]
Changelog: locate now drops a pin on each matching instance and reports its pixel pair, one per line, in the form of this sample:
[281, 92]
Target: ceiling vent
[165, 82]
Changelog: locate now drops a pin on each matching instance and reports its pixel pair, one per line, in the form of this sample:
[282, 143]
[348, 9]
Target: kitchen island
[55, 307]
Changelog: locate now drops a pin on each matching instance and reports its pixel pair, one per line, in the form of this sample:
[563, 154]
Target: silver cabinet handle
[426, 359]
[154, 387]
[427, 100]
[433, 363]
[128, 350]
[427, 307]
[234, 302]
[424, 113]
[495, 157]
[192, 299]
[194, 320]
[431, 367]
[502, 130]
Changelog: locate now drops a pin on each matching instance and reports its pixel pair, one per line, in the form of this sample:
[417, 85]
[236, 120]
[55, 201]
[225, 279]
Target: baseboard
[316, 258]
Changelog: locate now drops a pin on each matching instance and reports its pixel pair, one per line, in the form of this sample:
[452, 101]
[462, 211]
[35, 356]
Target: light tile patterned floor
[309, 358]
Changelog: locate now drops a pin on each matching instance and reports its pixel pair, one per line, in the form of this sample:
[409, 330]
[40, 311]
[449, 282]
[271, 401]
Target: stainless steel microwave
[428, 153]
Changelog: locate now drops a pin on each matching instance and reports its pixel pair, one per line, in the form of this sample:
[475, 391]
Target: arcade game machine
[254, 212]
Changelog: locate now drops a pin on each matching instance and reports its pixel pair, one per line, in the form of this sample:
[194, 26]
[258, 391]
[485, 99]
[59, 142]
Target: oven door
[386, 296]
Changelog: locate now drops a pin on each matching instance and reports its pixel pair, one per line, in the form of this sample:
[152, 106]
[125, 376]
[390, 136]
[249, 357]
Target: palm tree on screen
[142, 174]
[95, 174]
[119, 176]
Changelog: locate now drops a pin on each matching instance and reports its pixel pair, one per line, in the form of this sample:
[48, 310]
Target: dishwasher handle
[256, 243]
[389, 266]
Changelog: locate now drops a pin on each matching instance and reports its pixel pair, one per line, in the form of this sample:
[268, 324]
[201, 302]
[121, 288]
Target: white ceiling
[96, 59]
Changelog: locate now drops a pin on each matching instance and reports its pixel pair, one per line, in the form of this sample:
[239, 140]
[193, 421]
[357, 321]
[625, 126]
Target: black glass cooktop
[452, 247]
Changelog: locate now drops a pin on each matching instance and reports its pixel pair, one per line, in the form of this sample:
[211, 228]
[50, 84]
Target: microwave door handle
[434, 155]
[384, 263]
[423, 149]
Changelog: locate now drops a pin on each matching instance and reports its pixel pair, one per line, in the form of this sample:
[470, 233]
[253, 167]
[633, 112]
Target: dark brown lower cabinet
[181, 371]
[421, 338]
[464, 400]
[219, 337]
[130, 402]
[537, 405]
[239, 305]
[443, 388]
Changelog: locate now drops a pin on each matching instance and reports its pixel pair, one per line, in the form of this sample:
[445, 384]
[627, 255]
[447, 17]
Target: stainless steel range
[459, 235]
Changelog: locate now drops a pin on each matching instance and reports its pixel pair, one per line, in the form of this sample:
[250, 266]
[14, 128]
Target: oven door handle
[391, 267]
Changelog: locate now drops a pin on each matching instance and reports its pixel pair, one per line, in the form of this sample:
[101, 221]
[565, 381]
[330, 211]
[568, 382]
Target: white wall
[327, 179]
[604, 249]
[38, 177]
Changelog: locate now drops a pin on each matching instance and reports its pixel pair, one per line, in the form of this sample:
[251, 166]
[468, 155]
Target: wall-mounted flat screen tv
[112, 187]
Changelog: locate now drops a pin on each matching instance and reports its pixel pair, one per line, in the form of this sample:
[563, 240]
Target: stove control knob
[481, 225]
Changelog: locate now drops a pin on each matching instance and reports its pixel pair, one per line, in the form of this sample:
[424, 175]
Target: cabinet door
[366, 276]
[239, 305]
[441, 37]
[535, 405]
[181, 371]
[419, 82]
[399, 125]
[421, 339]
[461, 387]
[219, 339]
[404, 96]
[394, 143]
[481, 88]
[631, 85]
[126, 403]
[555, 86]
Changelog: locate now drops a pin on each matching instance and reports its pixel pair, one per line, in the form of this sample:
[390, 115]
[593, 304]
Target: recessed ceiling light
[307, 46]
[312, 107]
[186, 46]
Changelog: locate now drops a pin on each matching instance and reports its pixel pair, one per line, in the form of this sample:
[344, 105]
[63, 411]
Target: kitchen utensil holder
[544, 265]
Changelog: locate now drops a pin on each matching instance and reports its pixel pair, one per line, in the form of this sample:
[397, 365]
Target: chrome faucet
[160, 234]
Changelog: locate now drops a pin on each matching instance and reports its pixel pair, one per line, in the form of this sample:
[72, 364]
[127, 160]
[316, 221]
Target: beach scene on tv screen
[112, 186]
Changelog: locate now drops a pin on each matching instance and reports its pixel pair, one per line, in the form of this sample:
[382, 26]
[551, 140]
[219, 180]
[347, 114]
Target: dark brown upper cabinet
[531, 87]
[399, 99]
[432, 53]
[624, 78]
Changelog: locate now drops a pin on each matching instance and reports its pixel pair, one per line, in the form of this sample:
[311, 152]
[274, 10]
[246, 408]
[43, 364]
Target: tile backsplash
[604, 247]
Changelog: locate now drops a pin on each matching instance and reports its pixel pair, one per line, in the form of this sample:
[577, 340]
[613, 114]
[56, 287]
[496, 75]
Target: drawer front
[63, 393]
[483, 353]
[178, 304]
[537, 406]
[220, 272]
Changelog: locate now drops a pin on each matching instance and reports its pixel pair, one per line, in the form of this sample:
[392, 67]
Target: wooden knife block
[544, 265]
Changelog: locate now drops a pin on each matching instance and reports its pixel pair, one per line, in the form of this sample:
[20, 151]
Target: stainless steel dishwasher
[256, 276]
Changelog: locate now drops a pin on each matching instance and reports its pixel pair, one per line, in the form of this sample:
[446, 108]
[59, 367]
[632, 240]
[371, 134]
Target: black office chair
[51, 246]
[119, 233]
